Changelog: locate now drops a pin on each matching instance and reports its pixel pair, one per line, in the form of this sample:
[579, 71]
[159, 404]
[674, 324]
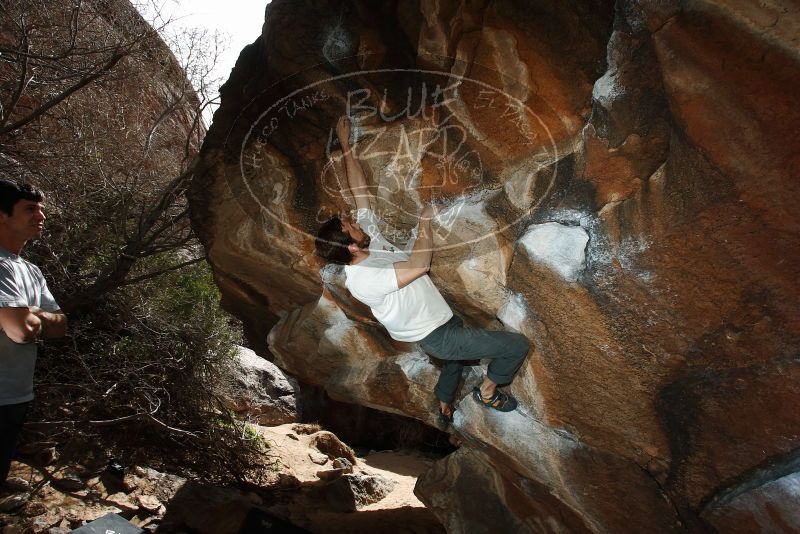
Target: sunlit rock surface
[257, 390]
[618, 183]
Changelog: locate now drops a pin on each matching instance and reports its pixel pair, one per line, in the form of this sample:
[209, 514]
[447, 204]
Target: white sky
[239, 21]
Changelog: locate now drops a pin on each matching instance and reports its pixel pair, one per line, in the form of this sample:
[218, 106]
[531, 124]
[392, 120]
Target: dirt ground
[59, 500]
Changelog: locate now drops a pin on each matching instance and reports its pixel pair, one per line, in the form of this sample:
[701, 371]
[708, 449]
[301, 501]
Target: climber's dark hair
[12, 192]
[332, 242]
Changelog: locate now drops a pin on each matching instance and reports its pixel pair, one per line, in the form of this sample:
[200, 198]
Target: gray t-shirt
[21, 285]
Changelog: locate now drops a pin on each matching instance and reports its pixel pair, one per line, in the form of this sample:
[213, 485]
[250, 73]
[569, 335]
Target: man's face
[353, 229]
[26, 220]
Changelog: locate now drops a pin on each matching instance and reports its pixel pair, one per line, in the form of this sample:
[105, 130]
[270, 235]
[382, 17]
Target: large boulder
[351, 492]
[259, 391]
[618, 181]
[327, 443]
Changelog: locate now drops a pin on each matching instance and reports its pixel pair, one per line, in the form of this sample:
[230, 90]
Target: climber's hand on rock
[428, 213]
[343, 129]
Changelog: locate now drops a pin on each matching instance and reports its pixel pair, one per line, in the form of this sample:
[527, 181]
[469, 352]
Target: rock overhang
[621, 251]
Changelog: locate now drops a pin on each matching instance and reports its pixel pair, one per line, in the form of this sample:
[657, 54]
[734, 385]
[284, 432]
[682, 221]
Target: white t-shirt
[409, 313]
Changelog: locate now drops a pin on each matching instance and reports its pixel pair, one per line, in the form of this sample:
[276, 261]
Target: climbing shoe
[443, 421]
[499, 401]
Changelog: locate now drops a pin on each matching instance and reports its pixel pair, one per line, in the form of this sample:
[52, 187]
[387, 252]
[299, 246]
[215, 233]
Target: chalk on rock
[514, 312]
[559, 246]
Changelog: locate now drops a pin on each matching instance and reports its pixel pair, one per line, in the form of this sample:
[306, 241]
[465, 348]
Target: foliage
[148, 358]
[97, 111]
[114, 154]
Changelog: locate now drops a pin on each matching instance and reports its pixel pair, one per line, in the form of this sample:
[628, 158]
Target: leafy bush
[138, 373]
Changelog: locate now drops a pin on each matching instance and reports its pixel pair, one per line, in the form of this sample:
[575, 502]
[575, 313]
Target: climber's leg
[438, 344]
[447, 385]
[507, 356]
[487, 387]
[452, 342]
[506, 350]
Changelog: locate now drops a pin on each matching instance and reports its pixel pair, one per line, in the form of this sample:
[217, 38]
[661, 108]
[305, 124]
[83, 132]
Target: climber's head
[340, 239]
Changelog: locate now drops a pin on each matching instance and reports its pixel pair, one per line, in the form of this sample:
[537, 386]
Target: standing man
[396, 286]
[28, 311]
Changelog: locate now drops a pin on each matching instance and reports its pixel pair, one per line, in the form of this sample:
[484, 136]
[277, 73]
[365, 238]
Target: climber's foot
[445, 415]
[502, 402]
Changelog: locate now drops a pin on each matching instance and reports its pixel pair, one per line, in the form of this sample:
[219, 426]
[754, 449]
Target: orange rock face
[619, 184]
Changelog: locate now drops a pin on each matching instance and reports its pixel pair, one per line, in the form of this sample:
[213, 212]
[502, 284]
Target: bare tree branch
[155, 274]
[23, 82]
[63, 95]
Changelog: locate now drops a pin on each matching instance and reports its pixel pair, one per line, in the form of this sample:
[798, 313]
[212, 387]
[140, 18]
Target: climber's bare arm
[419, 262]
[356, 180]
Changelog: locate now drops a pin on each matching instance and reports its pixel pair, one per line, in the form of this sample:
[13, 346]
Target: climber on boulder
[395, 284]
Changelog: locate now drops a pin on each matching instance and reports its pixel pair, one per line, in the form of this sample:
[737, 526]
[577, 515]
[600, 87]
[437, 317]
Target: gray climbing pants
[455, 344]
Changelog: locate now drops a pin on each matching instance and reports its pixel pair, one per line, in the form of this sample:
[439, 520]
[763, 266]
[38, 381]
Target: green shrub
[137, 372]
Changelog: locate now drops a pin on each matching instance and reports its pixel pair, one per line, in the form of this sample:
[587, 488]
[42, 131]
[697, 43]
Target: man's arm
[20, 325]
[419, 262]
[26, 325]
[54, 324]
[356, 181]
